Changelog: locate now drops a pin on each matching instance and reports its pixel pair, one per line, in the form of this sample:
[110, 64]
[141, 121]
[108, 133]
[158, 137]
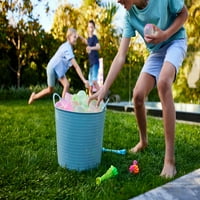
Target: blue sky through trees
[46, 19]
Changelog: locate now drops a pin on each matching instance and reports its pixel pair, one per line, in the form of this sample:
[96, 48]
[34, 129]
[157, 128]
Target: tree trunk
[18, 72]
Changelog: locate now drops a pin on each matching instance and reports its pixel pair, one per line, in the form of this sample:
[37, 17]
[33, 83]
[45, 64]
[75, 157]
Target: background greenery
[28, 161]
[25, 48]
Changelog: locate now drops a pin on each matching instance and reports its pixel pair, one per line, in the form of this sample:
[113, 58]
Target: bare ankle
[31, 99]
[169, 161]
[169, 168]
[139, 147]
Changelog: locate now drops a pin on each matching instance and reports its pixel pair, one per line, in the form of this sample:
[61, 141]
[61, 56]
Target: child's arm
[178, 23]
[162, 35]
[97, 48]
[83, 39]
[115, 68]
[79, 72]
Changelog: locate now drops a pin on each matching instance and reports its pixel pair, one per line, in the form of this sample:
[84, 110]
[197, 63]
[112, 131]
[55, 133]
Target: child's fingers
[148, 38]
[94, 96]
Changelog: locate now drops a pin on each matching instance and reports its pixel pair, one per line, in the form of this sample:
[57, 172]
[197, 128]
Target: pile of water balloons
[79, 103]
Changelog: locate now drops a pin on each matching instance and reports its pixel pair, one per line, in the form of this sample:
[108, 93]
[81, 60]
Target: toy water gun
[121, 151]
[111, 172]
[134, 168]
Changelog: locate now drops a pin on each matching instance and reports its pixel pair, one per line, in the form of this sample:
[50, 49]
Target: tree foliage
[189, 3]
[25, 48]
[16, 29]
[66, 16]
[193, 27]
[22, 44]
[182, 91]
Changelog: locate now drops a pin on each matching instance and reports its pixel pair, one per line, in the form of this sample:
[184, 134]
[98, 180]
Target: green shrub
[125, 82]
[23, 92]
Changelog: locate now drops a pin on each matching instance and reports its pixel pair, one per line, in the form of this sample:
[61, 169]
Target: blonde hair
[70, 32]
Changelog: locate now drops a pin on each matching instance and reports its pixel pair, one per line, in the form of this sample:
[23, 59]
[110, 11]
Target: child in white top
[57, 67]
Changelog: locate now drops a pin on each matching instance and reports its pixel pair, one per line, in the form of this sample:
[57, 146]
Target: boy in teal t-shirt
[160, 13]
[167, 45]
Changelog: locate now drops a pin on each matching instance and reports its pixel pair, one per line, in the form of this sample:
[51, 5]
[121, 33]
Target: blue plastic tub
[79, 138]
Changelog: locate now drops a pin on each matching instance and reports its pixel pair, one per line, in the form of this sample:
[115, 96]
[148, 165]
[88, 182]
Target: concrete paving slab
[186, 187]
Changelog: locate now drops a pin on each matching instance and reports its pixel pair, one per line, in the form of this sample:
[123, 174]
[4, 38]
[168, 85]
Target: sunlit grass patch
[29, 167]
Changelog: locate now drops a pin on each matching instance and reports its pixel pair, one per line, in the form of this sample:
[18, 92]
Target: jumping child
[57, 67]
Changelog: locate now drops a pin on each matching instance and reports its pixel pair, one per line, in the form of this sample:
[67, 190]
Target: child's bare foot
[139, 147]
[168, 171]
[31, 99]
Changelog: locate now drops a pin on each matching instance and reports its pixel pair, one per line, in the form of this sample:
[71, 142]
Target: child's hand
[157, 36]
[99, 95]
[88, 49]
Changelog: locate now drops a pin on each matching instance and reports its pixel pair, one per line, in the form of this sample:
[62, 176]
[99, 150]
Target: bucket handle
[105, 104]
[54, 98]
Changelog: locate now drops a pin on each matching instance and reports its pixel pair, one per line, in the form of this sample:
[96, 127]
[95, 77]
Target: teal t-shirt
[162, 13]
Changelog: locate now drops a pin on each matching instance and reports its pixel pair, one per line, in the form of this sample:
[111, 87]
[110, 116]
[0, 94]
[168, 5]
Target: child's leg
[40, 94]
[169, 116]
[94, 77]
[65, 84]
[96, 85]
[90, 90]
[90, 82]
[144, 85]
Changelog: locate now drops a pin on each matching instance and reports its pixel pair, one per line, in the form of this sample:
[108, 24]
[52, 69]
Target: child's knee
[163, 87]
[51, 90]
[138, 98]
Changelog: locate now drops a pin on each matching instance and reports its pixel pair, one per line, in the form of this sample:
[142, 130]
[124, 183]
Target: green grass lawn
[28, 157]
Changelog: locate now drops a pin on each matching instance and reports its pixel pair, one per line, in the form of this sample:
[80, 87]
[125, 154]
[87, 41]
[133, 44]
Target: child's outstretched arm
[115, 68]
[83, 39]
[79, 72]
[162, 35]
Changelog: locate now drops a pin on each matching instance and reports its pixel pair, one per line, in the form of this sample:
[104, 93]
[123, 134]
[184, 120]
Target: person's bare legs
[40, 94]
[96, 85]
[169, 117]
[90, 90]
[65, 83]
[144, 85]
[49, 90]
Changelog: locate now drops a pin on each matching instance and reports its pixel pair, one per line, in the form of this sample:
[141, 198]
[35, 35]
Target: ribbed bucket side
[79, 139]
